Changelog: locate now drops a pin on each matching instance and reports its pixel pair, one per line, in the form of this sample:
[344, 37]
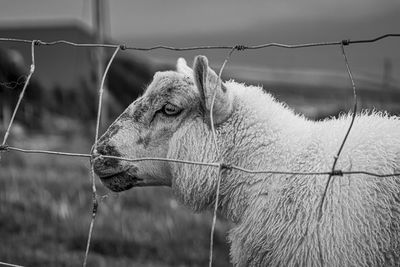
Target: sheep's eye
[171, 110]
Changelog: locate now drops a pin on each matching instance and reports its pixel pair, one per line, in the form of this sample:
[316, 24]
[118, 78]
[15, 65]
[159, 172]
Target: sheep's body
[276, 216]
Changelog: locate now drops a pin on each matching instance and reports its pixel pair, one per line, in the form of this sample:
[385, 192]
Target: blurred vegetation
[45, 210]
[12, 78]
[125, 81]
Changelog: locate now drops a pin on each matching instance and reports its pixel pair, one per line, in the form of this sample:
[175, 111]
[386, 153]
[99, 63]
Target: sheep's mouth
[111, 176]
[121, 181]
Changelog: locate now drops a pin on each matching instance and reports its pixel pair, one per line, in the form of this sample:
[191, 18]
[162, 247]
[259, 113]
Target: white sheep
[275, 216]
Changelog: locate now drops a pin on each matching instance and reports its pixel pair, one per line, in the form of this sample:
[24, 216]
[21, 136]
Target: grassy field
[45, 209]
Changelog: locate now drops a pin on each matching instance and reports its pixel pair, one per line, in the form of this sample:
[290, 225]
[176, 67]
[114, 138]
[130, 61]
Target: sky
[228, 22]
[178, 17]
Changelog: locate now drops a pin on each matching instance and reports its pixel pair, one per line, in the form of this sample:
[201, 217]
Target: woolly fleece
[275, 216]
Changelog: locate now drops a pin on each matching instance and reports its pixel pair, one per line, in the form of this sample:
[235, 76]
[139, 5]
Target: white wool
[276, 215]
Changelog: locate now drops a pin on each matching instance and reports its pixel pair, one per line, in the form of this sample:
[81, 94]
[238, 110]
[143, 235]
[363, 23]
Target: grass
[45, 209]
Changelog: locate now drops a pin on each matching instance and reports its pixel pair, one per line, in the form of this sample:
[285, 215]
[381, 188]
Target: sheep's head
[170, 120]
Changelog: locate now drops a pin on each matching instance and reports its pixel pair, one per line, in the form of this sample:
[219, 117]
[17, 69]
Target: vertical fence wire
[16, 108]
[214, 137]
[336, 157]
[22, 94]
[10, 264]
[94, 191]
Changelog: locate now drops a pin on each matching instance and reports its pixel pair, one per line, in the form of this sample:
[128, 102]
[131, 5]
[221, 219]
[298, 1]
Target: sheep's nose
[106, 149]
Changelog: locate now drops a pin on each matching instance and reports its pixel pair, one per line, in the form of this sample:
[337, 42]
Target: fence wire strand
[209, 164]
[214, 137]
[22, 94]
[208, 47]
[94, 191]
[4, 147]
[336, 157]
[10, 264]
[14, 84]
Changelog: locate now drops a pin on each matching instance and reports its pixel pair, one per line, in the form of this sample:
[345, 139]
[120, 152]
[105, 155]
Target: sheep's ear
[207, 82]
[183, 68]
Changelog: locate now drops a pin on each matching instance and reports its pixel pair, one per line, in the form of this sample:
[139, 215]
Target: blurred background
[45, 202]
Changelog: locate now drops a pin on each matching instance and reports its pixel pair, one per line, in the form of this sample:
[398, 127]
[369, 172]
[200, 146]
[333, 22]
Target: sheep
[275, 217]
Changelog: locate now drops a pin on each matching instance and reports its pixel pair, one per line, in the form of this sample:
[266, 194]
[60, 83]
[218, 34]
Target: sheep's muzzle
[112, 173]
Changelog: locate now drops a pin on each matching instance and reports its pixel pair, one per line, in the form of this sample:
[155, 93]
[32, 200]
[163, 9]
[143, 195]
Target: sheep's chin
[124, 181]
[121, 181]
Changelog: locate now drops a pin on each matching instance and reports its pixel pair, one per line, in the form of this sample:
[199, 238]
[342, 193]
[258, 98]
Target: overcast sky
[177, 17]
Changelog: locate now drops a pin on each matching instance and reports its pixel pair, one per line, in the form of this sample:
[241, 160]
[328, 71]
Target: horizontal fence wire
[223, 166]
[4, 147]
[239, 47]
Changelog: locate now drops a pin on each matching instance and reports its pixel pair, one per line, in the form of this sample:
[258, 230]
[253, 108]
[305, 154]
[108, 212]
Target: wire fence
[331, 174]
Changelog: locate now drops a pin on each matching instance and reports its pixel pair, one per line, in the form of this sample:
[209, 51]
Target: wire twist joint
[240, 47]
[346, 42]
[337, 173]
[37, 42]
[4, 148]
[225, 166]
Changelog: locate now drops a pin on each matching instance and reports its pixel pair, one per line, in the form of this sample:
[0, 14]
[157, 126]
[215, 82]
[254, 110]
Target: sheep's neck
[257, 144]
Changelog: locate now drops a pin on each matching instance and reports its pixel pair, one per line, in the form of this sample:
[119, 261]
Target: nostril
[101, 149]
[107, 150]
